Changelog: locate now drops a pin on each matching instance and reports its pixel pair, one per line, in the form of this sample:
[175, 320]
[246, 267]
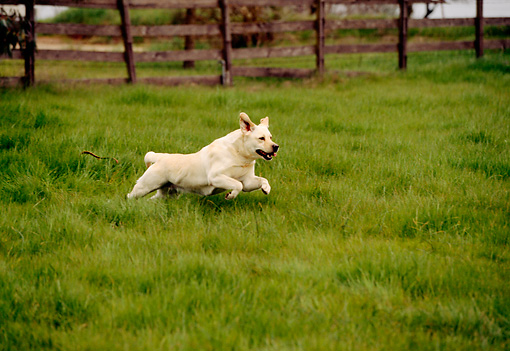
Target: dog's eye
[262, 138]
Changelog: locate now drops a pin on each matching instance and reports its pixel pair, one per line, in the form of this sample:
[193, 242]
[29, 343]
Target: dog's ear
[265, 121]
[246, 124]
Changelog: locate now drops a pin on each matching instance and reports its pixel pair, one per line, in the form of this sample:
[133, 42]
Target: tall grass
[386, 228]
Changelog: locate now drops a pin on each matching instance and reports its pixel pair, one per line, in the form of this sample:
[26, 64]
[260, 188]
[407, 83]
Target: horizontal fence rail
[181, 4]
[225, 29]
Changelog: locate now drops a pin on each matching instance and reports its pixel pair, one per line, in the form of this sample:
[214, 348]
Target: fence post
[479, 29]
[128, 39]
[402, 34]
[29, 52]
[319, 27]
[227, 43]
[189, 41]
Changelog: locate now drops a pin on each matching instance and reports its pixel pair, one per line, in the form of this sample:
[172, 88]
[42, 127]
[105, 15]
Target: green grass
[386, 228]
[102, 17]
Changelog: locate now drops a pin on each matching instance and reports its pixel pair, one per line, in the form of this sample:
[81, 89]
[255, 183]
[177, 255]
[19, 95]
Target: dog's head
[258, 139]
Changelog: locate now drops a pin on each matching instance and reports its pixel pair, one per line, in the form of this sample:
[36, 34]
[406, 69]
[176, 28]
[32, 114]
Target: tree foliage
[13, 32]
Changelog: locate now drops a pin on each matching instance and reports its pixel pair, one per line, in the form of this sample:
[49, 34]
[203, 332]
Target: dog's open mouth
[265, 155]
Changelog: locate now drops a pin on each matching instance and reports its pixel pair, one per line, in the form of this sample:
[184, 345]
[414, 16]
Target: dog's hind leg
[165, 192]
[147, 183]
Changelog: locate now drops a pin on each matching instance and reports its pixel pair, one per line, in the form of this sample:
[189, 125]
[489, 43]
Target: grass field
[387, 227]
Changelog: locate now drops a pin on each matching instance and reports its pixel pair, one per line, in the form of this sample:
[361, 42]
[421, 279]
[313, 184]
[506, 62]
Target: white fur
[228, 163]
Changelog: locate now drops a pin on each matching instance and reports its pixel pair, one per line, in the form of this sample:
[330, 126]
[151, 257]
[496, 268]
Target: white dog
[227, 163]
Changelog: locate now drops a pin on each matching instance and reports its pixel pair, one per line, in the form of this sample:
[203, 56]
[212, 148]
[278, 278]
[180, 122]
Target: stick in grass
[99, 157]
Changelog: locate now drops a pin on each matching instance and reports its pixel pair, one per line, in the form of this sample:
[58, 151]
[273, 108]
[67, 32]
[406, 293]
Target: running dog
[228, 163]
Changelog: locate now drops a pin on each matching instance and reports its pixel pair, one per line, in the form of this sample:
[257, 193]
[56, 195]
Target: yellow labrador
[227, 163]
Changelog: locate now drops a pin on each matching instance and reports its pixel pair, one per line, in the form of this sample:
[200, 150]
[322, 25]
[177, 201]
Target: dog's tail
[150, 158]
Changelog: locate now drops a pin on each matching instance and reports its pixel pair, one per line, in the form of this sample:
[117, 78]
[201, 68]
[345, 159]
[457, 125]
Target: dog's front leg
[255, 183]
[222, 181]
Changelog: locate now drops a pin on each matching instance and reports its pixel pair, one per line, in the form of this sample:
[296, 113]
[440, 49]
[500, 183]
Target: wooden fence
[225, 29]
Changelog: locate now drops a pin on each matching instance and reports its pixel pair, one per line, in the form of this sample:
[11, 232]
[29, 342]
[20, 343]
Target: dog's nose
[275, 147]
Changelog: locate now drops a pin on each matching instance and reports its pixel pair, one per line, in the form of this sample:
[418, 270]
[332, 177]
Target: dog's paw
[231, 195]
[266, 188]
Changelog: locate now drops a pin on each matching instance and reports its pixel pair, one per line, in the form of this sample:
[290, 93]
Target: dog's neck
[236, 138]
